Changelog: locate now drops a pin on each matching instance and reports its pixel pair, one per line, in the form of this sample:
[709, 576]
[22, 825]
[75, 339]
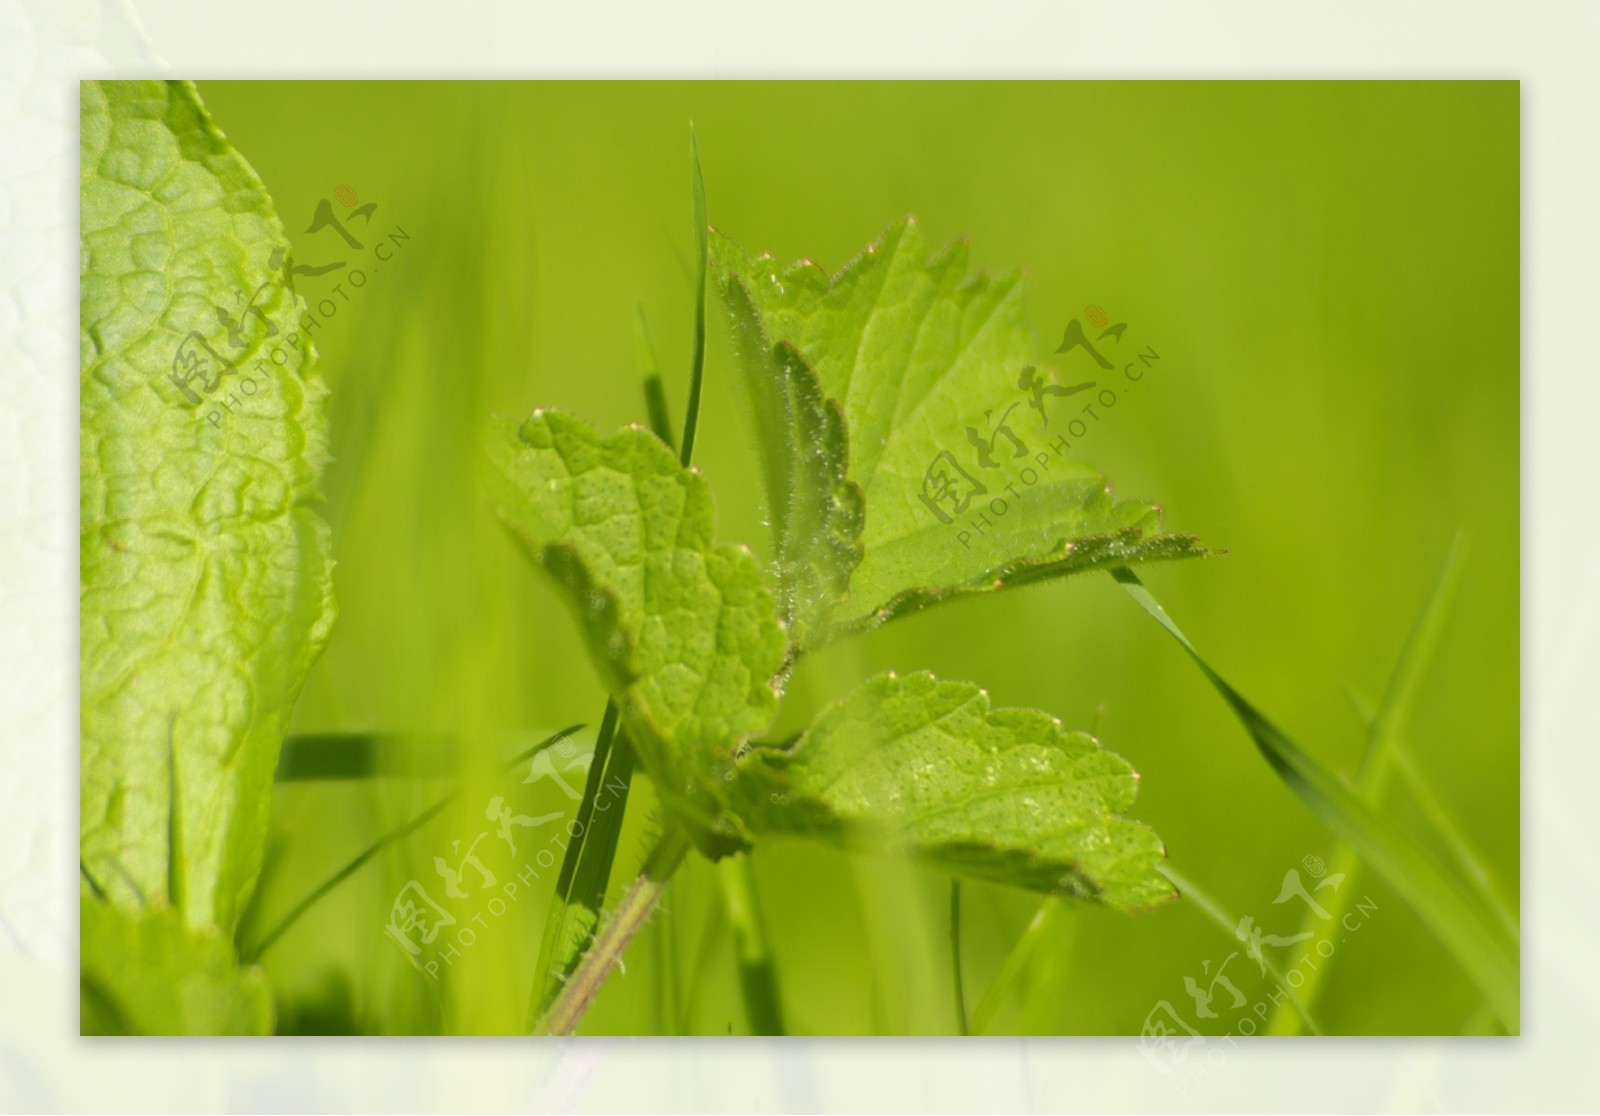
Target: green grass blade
[1453, 917]
[1014, 966]
[1415, 655]
[399, 833]
[1378, 763]
[668, 1001]
[585, 868]
[1481, 1023]
[705, 955]
[655, 394]
[329, 756]
[624, 924]
[955, 957]
[1213, 910]
[758, 978]
[697, 358]
[1459, 845]
[1461, 848]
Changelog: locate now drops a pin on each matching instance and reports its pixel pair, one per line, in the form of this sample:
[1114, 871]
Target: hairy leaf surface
[206, 587]
[817, 511]
[927, 768]
[967, 485]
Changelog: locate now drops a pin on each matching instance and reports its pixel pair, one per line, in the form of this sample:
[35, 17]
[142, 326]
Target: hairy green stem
[586, 868]
[618, 931]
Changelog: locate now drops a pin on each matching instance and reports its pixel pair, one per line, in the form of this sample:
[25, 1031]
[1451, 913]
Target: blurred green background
[1330, 274]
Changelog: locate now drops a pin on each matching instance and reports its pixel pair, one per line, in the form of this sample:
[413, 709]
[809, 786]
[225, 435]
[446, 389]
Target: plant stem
[586, 868]
[955, 956]
[609, 945]
[757, 976]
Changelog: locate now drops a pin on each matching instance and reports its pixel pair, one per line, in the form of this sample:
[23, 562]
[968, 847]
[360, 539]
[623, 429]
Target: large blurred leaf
[146, 973]
[929, 769]
[967, 487]
[682, 632]
[206, 587]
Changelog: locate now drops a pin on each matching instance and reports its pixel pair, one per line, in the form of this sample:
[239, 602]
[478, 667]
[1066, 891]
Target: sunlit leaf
[206, 587]
[965, 474]
[683, 633]
[929, 769]
[817, 512]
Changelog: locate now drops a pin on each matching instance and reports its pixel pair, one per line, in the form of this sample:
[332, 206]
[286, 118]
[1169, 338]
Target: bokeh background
[1330, 273]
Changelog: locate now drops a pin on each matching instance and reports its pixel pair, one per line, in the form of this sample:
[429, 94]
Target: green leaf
[817, 512]
[925, 767]
[145, 972]
[683, 633]
[206, 588]
[925, 364]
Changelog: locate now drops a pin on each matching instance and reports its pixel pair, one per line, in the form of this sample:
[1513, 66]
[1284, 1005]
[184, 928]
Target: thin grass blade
[1459, 923]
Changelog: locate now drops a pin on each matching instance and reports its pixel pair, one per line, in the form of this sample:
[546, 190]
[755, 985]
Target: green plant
[894, 480]
[206, 588]
[694, 641]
